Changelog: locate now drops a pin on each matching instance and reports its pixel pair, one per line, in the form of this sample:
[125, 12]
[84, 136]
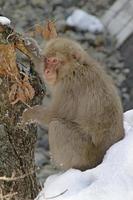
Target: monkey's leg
[71, 147]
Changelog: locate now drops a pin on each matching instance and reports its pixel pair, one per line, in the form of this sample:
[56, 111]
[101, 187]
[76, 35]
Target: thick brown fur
[85, 116]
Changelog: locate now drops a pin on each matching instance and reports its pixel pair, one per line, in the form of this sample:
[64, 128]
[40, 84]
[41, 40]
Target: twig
[28, 106]
[53, 197]
[8, 179]
[7, 196]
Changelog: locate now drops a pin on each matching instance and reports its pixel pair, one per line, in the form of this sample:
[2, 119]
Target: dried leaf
[49, 31]
[1, 28]
[20, 45]
[13, 92]
[21, 91]
[8, 60]
[29, 91]
[39, 29]
[21, 95]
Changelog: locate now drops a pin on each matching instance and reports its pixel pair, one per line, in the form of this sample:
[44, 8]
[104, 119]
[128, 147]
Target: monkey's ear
[76, 56]
[79, 57]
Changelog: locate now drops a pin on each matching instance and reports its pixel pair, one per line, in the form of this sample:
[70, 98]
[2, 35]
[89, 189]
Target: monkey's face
[53, 68]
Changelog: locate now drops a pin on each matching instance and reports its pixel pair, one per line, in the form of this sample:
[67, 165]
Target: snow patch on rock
[4, 20]
[85, 22]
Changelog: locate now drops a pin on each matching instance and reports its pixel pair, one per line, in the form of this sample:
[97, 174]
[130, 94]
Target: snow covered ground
[111, 180]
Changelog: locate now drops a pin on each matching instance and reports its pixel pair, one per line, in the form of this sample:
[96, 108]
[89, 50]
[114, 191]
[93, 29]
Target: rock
[99, 56]
[99, 40]
[69, 11]
[41, 157]
[2, 131]
[57, 3]
[85, 22]
[41, 132]
[120, 65]
[38, 3]
[46, 171]
[61, 25]
[43, 142]
[0, 81]
[124, 89]
[29, 14]
[42, 138]
[72, 35]
[70, 3]
[126, 70]
[126, 97]
[121, 78]
[90, 38]
[112, 61]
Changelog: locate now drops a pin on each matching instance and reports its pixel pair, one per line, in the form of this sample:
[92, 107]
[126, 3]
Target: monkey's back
[102, 110]
[90, 120]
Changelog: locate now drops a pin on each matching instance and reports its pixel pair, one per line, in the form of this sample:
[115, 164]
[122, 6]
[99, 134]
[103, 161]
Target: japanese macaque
[85, 115]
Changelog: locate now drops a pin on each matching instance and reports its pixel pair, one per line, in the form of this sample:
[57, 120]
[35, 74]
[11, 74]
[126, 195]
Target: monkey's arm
[36, 55]
[33, 47]
[39, 114]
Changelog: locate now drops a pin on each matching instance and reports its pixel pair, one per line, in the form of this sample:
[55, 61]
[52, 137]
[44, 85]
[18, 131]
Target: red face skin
[55, 68]
[50, 71]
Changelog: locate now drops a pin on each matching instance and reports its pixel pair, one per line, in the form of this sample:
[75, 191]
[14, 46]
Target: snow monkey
[85, 115]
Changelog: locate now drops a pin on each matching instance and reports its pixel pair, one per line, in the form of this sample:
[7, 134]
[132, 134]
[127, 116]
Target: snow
[85, 22]
[4, 20]
[111, 180]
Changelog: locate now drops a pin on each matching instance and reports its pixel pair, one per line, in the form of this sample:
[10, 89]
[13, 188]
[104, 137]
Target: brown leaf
[49, 30]
[1, 29]
[29, 91]
[21, 91]
[39, 29]
[8, 60]
[20, 45]
[13, 92]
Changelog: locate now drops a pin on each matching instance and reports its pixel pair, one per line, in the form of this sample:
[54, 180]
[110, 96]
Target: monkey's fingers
[28, 116]
[32, 46]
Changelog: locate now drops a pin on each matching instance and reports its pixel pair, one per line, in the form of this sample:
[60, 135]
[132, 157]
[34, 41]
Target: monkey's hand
[33, 47]
[38, 114]
[31, 114]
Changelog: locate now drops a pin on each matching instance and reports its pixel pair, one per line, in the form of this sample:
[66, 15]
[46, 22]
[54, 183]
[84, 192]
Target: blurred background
[112, 46]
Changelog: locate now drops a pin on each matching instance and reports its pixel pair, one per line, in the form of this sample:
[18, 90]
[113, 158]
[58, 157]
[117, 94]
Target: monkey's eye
[52, 60]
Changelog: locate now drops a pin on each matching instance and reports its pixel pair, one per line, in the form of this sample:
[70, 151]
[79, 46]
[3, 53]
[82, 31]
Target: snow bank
[4, 20]
[111, 180]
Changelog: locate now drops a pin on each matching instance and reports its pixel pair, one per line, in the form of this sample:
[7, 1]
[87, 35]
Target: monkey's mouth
[51, 69]
[48, 71]
[50, 74]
